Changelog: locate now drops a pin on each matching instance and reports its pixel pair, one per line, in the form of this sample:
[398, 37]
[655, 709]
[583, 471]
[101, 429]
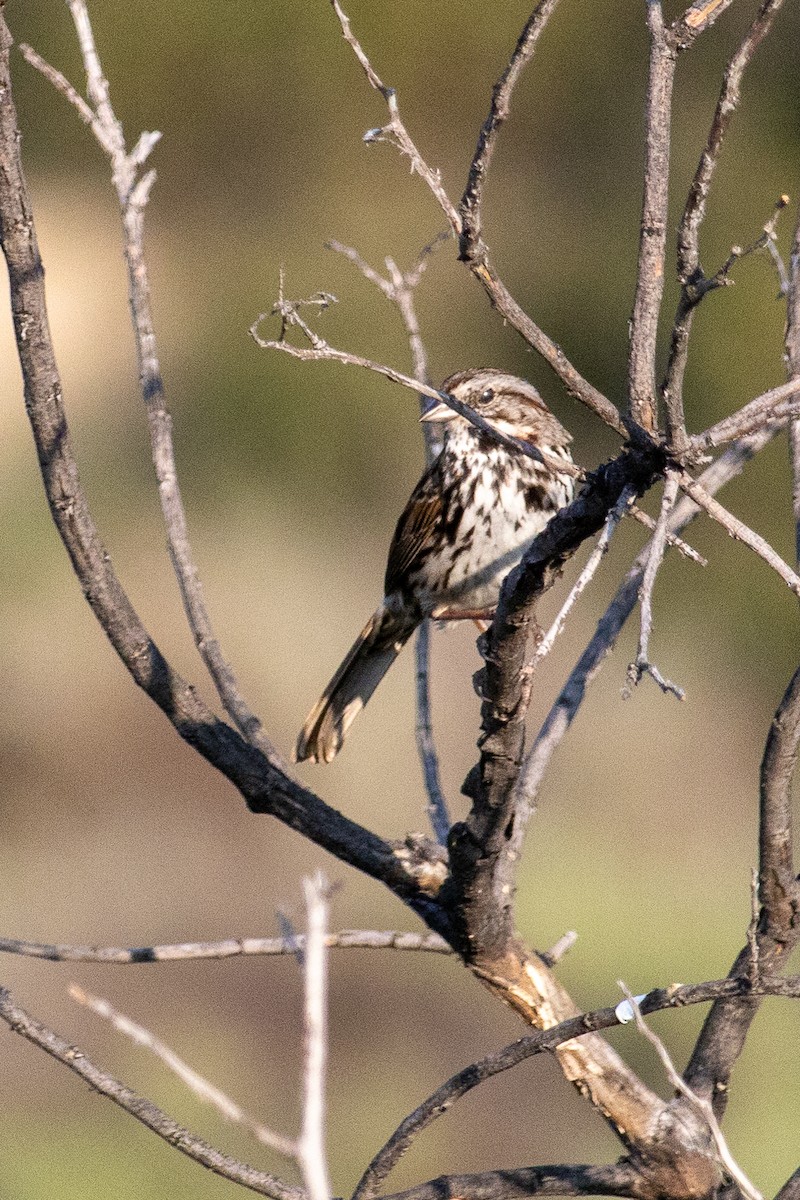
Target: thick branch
[723, 1035]
[265, 787]
[519, 1182]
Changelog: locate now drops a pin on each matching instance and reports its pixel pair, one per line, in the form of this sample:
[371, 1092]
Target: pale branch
[722, 1038]
[133, 192]
[194, 1147]
[208, 1092]
[613, 519]
[542, 1041]
[348, 939]
[399, 289]
[396, 131]
[698, 1103]
[793, 369]
[438, 811]
[265, 787]
[320, 351]
[770, 406]
[480, 266]
[642, 665]
[698, 17]
[470, 207]
[311, 1153]
[690, 272]
[642, 398]
[563, 712]
[739, 531]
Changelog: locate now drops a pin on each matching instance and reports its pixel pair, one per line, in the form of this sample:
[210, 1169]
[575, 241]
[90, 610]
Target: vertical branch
[653, 228]
[793, 367]
[311, 1144]
[402, 292]
[723, 1035]
[690, 272]
[133, 192]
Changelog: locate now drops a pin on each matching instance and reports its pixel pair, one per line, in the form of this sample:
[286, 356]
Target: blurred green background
[293, 475]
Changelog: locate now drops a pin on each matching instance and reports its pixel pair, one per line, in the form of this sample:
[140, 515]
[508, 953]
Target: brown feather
[371, 655]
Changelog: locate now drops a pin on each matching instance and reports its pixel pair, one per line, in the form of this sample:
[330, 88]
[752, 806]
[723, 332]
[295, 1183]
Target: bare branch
[516, 1183]
[396, 131]
[133, 192]
[770, 406]
[561, 715]
[471, 244]
[480, 266]
[205, 1091]
[698, 17]
[722, 1038]
[320, 351]
[698, 1103]
[690, 272]
[793, 368]
[311, 1143]
[348, 939]
[495, 1063]
[587, 574]
[143, 1110]
[791, 1189]
[655, 557]
[653, 226]
[741, 532]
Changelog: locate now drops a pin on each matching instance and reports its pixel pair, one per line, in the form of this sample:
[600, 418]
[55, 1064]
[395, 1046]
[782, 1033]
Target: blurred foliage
[293, 475]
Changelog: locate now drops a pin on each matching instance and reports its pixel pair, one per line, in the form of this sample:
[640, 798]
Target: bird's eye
[487, 395]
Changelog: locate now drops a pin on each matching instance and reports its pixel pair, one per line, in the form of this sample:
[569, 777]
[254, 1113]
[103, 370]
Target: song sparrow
[468, 522]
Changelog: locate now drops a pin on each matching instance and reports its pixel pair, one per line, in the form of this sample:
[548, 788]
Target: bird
[467, 523]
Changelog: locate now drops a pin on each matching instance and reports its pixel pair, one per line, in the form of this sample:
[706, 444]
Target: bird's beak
[439, 413]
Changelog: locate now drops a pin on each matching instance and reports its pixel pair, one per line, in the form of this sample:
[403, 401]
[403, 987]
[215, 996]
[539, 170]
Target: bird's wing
[418, 521]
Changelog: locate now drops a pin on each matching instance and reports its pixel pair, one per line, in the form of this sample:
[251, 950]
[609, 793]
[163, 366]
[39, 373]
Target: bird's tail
[374, 651]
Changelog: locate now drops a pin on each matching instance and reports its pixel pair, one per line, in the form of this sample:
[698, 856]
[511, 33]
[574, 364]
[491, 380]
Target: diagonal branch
[566, 707]
[133, 190]
[480, 266]
[265, 786]
[202, 1088]
[472, 246]
[143, 1110]
[690, 272]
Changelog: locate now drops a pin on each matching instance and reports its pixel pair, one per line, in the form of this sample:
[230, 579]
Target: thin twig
[311, 1154]
[205, 1091]
[395, 131]
[133, 192]
[587, 574]
[698, 1103]
[773, 405]
[320, 351]
[142, 1109]
[563, 712]
[480, 266]
[643, 665]
[348, 939]
[741, 532]
[399, 289]
[690, 272]
[470, 208]
[653, 225]
[793, 369]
